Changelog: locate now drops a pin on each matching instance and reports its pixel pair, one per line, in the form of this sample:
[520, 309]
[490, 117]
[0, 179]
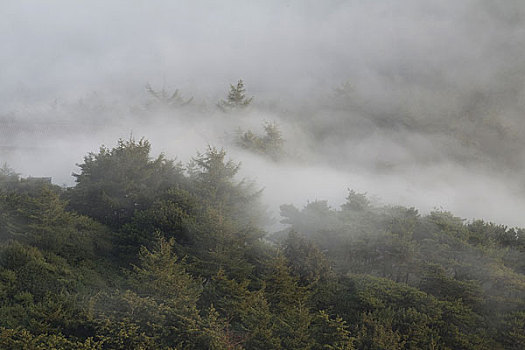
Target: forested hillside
[147, 253]
[278, 174]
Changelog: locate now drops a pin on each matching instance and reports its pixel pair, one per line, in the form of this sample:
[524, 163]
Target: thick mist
[417, 103]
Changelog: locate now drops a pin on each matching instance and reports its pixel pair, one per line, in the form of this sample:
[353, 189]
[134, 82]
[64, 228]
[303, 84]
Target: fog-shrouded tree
[8, 177]
[163, 98]
[113, 183]
[271, 144]
[236, 98]
[213, 177]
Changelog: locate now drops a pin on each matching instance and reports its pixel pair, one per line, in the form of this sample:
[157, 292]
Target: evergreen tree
[270, 145]
[165, 99]
[236, 98]
[305, 260]
[162, 274]
[8, 178]
[114, 183]
[213, 178]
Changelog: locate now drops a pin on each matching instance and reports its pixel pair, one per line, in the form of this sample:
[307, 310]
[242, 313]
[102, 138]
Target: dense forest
[147, 253]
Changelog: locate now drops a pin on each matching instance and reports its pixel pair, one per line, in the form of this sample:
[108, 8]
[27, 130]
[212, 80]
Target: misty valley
[286, 174]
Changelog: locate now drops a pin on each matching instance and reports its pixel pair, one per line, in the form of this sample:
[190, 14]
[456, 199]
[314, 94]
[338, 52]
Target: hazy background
[419, 103]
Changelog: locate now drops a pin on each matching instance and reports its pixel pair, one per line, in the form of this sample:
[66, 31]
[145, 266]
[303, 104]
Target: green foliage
[11, 182]
[213, 178]
[511, 334]
[160, 310]
[316, 216]
[166, 259]
[469, 273]
[173, 213]
[114, 183]
[331, 333]
[375, 332]
[19, 338]
[162, 274]
[271, 144]
[305, 260]
[356, 201]
[282, 289]
[35, 272]
[39, 293]
[9, 179]
[436, 282]
[236, 99]
[39, 218]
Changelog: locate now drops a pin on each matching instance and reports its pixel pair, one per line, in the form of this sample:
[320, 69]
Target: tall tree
[214, 179]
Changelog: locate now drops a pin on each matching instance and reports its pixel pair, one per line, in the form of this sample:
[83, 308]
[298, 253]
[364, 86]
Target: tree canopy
[143, 253]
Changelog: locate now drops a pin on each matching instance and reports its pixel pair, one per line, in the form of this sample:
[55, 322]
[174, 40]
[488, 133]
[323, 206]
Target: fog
[418, 103]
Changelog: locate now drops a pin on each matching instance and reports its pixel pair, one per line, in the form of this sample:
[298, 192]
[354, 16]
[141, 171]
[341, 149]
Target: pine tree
[236, 98]
[270, 144]
[161, 273]
[164, 98]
